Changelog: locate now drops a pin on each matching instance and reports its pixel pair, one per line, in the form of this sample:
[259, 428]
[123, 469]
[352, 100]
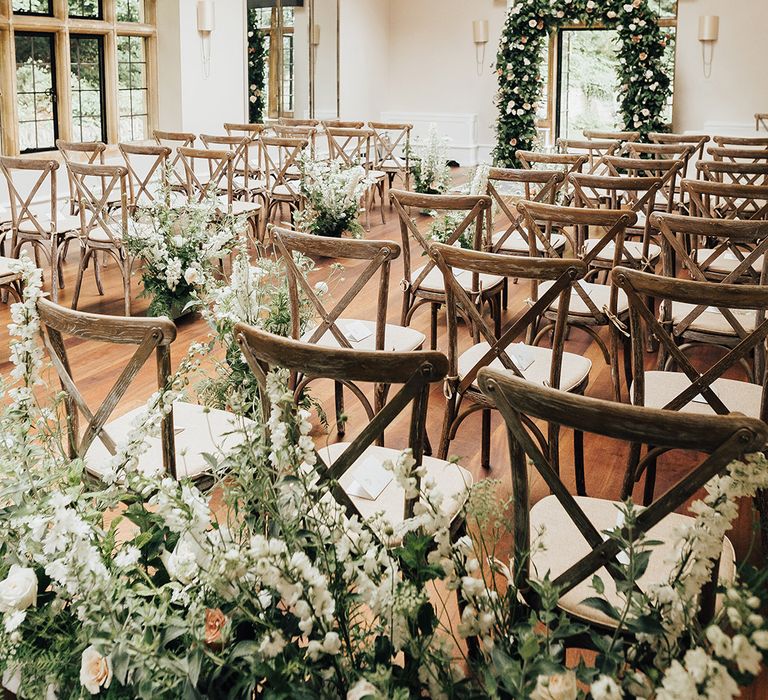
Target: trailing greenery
[257, 69]
[644, 86]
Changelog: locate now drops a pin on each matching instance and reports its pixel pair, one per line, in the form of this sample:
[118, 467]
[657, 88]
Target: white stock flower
[18, 590]
[605, 688]
[361, 690]
[95, 670]
[747, 658]
[12, 679]
[193, 275]
[12, 620]
[559, 686]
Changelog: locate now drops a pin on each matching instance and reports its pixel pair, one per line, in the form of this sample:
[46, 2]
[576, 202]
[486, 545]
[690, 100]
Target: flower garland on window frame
[257, 69]
[644, 87]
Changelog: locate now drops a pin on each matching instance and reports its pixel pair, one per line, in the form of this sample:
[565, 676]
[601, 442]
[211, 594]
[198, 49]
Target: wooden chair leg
[97, 274]
[615, 375]
[126, 270]
[433, 327]
[84, 255]
[630, 474]
[485, 446]
[650, 480]
[451, 408]
[341, 427]
[578, 462]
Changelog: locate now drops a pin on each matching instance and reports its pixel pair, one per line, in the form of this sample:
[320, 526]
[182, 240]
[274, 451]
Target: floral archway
[644, 86]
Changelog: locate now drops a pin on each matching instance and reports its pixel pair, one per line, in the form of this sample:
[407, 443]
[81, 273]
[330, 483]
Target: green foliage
[257, 69]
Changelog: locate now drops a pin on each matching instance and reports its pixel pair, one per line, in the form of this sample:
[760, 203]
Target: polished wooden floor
[96, 367]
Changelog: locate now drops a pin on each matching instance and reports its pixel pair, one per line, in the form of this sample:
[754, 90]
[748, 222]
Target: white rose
[605, 688]
[19, 589]
[192, 276]
[95, 671]
[362, 689]
[561, 686]
[178, 241]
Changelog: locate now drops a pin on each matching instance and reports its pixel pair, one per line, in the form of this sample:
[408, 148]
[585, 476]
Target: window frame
[131, 89]
[102, 80]
[99, 15]
[62, 26]
[31, 14]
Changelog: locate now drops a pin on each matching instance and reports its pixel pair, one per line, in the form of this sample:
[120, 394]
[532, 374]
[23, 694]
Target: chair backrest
[477, 210]
[453, 261]
[739, 154]
[392, 146]
[147, 171]
[289, 121]
[414, 371]
[175, 140]
[704, 297]
[664, 151]
[298, 131]
[568, 162]
[594, 149]
[239, 147]
[97, 188]
[736, 249]
[379, 255]
[80, 152]
[25, 192]
[350, 146]
[537, 186]
[281, 157]
[251, 131]
[734, 173]
[719, 200]
[741, 141]
[341, 124]
[698, 141]
[150, 335]
[215, 179]
[721, 438]
[667, 170]
[623, 136]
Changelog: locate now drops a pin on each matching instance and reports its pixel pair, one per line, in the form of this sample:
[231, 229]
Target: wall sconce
[206, 22]
[709, 30]
[480, 35]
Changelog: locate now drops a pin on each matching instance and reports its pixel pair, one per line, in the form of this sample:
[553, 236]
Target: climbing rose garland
[643, 89]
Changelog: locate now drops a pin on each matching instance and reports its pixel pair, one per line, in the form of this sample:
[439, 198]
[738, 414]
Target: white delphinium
[429, 163]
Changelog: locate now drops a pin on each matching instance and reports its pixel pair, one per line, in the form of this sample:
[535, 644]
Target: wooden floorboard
[96, 367]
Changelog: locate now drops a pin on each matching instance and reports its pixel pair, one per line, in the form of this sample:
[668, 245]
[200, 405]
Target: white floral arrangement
[265, 587]
[445, 224]
[332, 194]
[179, 244]
[429, 163]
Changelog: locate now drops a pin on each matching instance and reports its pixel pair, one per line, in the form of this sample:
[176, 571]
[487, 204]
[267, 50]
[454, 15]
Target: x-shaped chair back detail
[743, 243]
[722, 296]
[721, 438]
[697, 142]
[175, 140]
[720, 200]
[147, 171]
[567, 162]
[280, 156]
[563, 273]
[477, 207]
[350, 146]
[239, 146]
[89, 152]
[22, 196]
[666, 169]
[392, 146]
[149, 335]
[96, 187]
[734, 173]
[538, 186]
[594, 149]
[613, 225]
[414, 371]
[664, 151]
[739, 155]
[379, 255]
[298, 131]
[215, 179]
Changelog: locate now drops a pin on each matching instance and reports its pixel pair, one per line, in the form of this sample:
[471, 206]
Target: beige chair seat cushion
[198, 431]
[712, 320]
[99, 235]
[515, 243]
[239, 207]
[434, 282]
[6, 273]
[724, 263]
[377, 174]
[238, 182]
[285, 191]
[599, 293]
[565, 545]
[65, 223]
[452, 481]
[575, 368]
[633, 248]
[396, 338]
[740, 397]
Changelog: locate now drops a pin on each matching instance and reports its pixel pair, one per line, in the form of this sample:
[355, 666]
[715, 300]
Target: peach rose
[214, 623]
[95, 670]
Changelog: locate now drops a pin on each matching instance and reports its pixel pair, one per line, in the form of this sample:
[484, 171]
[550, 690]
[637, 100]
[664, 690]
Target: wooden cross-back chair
[339, 463]
[664, 151]
[187, 432]
[562, 536]
[511, 237]
[697, 142]
[90, 152]
[290, 121]
[592, 305]
[677, 384]
[567, 163]
[593, 149]
[147, 172]
[623, 136]
[761, 121]
[392, 150]
[720, 200]
[102, 226]
[11, 282]
[734, 173]
[759, 142]
[175, 140]
[216, 178]
[334, 327]
[35, 218]
[637, 194]
[252, 132]
[342, 124]
[743, 154]
[425, 285]
[298, 131]
[351, 147]
[280, 157]
[495, 348]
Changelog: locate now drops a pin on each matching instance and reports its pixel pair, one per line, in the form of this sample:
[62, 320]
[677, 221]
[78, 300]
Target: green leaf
[598, 585]
[603, 606]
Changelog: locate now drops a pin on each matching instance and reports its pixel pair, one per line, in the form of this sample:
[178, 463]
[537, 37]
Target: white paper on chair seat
[356, 331]
[712, 310]
[521, 356]
[699, 398]
[370, 480]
